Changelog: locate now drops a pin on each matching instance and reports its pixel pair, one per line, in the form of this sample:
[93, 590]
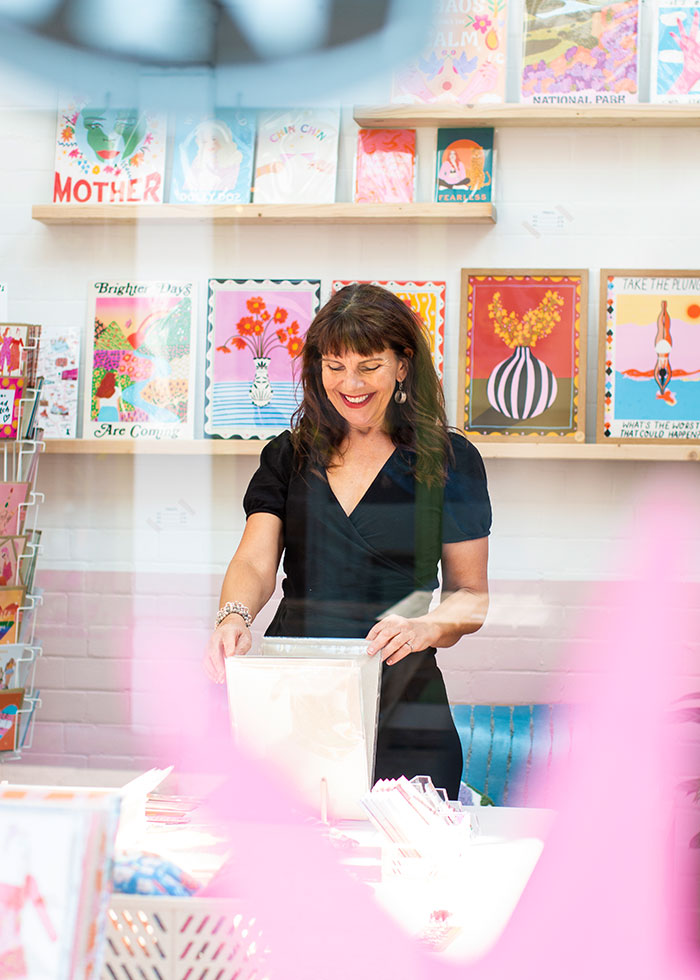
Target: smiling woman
[366, 496]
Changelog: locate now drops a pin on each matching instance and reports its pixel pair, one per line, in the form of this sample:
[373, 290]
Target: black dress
[342, 572]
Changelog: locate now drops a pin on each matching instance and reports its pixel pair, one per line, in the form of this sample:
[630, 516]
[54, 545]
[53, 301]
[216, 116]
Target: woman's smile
[360, 387]
[353, 401]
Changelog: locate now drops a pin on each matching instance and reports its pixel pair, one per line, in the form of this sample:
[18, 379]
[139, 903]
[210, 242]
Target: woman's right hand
[228, 640]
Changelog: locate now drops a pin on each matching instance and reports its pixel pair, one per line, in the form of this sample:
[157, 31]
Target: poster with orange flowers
[255, 333]
[523, 354]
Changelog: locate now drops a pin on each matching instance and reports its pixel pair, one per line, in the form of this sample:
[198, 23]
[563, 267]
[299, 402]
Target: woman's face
[360, 387]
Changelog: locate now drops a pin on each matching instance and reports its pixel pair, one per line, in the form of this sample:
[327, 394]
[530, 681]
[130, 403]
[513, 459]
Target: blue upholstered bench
[509, 749]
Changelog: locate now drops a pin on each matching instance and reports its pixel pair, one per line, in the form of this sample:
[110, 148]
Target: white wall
[134, 548]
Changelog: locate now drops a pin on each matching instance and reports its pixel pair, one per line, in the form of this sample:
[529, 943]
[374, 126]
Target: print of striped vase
[522, 386]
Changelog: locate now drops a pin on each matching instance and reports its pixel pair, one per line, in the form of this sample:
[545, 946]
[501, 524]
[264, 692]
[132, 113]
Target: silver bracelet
[233, 607]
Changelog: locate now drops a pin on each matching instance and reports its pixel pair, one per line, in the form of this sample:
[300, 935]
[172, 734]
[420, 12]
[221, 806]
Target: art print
[649, 356]
[12, 599]
[13, 501]
[108, 155]
[385, 166]
[213, 158]
[297, 156]
[427, 299]
[464, 165]
[59, 357]
[256, 331]
[140, 356]
[675, 59]
[464, 62]
[522, 350]
[580, 52]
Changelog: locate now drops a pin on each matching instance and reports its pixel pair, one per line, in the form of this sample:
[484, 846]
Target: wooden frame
[643, 380]
[522, 384]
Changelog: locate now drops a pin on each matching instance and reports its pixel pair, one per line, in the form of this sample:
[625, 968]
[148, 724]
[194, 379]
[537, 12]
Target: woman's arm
[250, 579]
[462, 610]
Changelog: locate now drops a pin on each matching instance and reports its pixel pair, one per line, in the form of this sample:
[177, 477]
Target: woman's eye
[332, 368]
[375, 368]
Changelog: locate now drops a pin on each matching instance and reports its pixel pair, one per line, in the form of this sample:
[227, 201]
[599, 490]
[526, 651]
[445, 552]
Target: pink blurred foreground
[607, 897]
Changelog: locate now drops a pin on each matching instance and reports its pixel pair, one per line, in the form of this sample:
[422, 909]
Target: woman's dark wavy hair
[366, 319]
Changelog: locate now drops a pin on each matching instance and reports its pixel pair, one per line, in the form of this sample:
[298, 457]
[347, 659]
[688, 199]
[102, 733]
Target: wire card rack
[21, 444]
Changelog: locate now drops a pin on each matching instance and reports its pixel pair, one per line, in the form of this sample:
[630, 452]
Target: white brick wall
[128, 596]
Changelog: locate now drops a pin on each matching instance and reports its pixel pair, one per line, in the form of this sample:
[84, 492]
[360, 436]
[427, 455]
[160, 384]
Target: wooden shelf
[257, 214]
[527, 115]
[677, 452]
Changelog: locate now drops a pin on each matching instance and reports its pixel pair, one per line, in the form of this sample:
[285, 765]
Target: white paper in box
[310, 707]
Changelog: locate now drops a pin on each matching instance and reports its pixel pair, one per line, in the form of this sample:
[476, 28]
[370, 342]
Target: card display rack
[19, 458]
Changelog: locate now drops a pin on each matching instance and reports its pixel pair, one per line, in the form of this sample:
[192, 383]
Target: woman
[452, 173]
[366, 494]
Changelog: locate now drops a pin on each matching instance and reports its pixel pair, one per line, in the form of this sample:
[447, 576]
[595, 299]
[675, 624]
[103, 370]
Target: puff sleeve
[268, 489]
[466, 504]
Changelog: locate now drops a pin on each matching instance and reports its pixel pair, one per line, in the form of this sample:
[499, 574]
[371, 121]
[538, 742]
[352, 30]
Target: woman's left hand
[396, 637]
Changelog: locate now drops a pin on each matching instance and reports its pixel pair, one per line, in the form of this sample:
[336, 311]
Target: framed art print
[523, 353]
[255, 332]
[649, 356]
[425, 298]
[139, 374]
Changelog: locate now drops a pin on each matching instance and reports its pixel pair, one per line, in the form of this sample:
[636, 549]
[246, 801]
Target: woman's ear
[402, 369]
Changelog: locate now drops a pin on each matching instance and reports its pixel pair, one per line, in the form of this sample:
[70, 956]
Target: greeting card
[255, 333]
[464, 165]
[674, 53]
[108, 155]
[12, 599]
[10, 704]
[57, 844]
[213, 158]
[59, 357]
[12, 391]
[139, 376]
[385, 166]
[13, 497]
[19, 351]
[297, 156]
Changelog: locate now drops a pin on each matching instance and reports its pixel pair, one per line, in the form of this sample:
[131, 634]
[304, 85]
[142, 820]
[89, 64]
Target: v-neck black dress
[342, 572]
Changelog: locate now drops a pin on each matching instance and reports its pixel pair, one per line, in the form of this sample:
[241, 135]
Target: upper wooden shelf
[489, 450]
[257, 214]
[510, 114]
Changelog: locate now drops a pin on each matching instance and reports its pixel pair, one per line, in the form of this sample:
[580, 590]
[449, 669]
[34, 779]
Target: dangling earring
[400, 394]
